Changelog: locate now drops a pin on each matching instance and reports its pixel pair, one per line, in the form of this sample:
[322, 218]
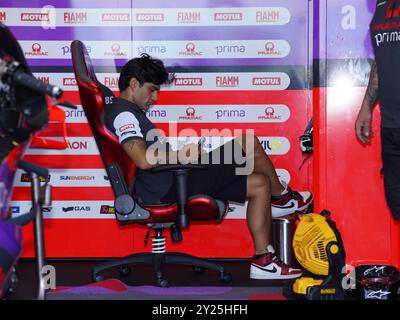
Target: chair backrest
[94, 97]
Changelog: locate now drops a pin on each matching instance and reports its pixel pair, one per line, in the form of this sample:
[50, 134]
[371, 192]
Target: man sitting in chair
[139, 84]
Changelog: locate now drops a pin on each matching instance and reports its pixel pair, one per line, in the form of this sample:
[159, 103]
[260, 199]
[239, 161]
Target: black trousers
[391, 168]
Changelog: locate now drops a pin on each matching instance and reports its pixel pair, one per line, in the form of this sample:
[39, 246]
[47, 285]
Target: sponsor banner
[75, 145]
[68, 178]
[271, 145]
[69, 209]
[276, 113]
[230, 81]
[227, 81]
[49, 17]
[196, 49]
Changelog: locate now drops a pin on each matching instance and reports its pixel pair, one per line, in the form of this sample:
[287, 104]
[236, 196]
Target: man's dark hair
[144, 69]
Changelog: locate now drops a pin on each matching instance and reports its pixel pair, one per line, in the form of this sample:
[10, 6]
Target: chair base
[159, 260]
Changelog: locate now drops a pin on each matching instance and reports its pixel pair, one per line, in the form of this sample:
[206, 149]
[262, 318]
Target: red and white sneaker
[270, 267]
[290, 202]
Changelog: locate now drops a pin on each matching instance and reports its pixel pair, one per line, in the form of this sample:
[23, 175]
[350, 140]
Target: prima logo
[230, 49]
[75, 17]
[190, 115]
[227, 114]
[156, 113]
[152, 50]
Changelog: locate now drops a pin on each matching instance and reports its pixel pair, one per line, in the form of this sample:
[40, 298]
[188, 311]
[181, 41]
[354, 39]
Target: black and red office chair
[120, 168]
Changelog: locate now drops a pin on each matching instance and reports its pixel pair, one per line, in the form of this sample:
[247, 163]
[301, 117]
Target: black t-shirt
[385, 33]
[127, 121]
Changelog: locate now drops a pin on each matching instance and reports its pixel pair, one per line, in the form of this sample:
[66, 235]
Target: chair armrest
[126, 207]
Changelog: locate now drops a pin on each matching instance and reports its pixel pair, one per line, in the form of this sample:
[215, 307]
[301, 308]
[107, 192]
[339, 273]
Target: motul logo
[267, 16]
[69, 82]
[231, 16]
[188, 81]
[149, 17]
[75, 17]
[267, 81]
[188, 17]
[35, 17]
[115, 17]
[227, 81]
[111, 82]
[3, 16]
[44, 79]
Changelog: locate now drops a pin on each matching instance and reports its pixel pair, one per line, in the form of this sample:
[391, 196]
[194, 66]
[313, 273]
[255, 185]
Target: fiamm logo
[227, 81]
[3, 16]
[111, 82]
[267, 16]
[189, 17]
[75, 17]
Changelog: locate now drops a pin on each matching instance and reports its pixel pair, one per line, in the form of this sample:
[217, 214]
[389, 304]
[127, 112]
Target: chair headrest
[82, 63]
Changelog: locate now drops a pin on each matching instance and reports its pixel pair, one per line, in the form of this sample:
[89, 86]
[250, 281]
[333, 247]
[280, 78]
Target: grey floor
[78, 272]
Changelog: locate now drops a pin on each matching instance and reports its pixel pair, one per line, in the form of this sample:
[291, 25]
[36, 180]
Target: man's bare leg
[258, 213]
[262, 163]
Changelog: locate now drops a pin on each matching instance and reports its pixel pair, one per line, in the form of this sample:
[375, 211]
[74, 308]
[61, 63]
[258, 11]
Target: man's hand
[363, 125]
[189, 153]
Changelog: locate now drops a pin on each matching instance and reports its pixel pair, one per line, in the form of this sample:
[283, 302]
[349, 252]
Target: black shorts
[219, 180]
[390, 138]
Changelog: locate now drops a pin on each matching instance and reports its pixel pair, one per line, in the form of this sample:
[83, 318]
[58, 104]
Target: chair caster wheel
[97, 277]
[198, 270]
[124, 271]
[162, 283]
[225, 277]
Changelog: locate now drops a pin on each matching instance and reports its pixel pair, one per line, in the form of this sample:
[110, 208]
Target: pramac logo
[190, 115]
[36, 51]
[190, 50]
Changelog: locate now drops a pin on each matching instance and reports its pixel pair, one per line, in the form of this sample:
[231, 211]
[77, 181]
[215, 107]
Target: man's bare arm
[364, 118]
[371, 95]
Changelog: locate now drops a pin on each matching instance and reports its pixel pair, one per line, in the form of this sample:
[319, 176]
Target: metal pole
[39, 238]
